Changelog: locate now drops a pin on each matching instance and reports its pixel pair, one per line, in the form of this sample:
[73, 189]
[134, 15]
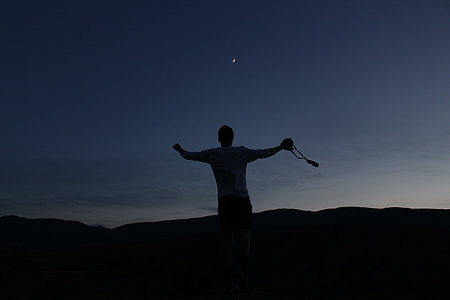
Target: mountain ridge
[19, 232]
[342, 253]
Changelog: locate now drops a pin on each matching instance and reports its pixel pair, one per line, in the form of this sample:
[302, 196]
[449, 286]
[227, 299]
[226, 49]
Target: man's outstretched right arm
[179, 149]
[202, 156]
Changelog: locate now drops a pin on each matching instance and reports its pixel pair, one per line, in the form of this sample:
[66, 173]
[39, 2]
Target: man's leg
[244, 225]
[244, 252]
[227, 243]
[226, 226]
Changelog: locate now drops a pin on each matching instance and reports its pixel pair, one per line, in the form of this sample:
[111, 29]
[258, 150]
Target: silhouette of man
[234, 207]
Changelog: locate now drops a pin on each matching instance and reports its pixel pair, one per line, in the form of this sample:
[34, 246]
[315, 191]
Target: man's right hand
[287, 144]
[177, 147]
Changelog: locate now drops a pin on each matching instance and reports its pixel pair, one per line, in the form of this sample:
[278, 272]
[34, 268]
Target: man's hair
[226, 134]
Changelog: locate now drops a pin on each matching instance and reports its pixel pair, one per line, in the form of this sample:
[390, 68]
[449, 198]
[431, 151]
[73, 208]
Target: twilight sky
[93, 94]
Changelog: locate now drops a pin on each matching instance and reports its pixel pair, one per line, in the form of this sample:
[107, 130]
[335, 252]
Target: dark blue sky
[95, 93]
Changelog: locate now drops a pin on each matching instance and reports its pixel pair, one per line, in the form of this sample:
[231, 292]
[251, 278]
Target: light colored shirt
[229, 165]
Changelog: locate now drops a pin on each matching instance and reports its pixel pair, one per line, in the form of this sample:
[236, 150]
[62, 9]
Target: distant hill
[432, 218]
[34, 234]
[343, 253]
[18, 232]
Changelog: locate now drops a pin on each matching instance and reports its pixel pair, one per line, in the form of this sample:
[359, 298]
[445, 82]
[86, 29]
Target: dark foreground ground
[348, 253]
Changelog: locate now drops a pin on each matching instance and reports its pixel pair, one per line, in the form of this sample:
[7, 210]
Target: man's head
[226, 136]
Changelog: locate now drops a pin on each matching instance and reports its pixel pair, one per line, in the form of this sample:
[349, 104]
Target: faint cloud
[6, 204]
[209, 209]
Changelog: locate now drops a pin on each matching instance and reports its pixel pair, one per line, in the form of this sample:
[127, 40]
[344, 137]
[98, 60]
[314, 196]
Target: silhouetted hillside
[432, 218]
[166, 229]
[47, 233]
[34, 234]
[344, 253]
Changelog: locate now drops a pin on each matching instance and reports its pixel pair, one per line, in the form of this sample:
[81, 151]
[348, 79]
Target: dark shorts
[235, 213]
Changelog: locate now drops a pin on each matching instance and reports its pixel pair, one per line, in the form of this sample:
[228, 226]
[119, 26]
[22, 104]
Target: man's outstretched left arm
[275, 150]
[286, 144]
